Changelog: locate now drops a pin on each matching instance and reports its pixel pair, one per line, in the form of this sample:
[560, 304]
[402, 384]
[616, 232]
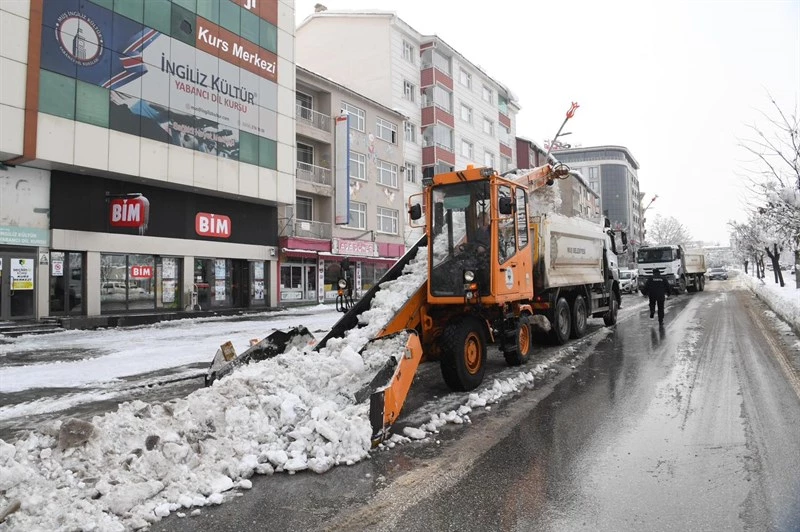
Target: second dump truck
[488, 284]
[684, 269]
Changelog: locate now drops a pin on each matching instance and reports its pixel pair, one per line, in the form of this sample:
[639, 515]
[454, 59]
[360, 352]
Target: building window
[387, 173]
[387, 220]
[502, 104]
[465, 78]
[466, 113]
[358, 166]
[305, 153]
[488, 159]
[305, 105]
[487, 95]
[504, 134]
[409, 90]
[411, 172]
[304, 208]
[466, 149]
[409, 52]
[505, 164]
[488, 126]
[358, 215]
[441, 168]
[410, 131]
[357, 116]
[386, 130]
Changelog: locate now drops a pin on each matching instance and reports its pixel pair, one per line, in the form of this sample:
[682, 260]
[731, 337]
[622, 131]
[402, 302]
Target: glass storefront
[17, 284]
[139, 282]
[299, 281]
[230, 283]
[66, 283]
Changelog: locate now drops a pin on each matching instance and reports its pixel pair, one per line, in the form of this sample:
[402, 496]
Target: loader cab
[477, 232]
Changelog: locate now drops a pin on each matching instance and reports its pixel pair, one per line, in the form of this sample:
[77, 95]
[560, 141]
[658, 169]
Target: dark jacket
[657, 287]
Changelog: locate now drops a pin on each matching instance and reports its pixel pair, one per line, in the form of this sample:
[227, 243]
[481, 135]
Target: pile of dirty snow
[132, 467]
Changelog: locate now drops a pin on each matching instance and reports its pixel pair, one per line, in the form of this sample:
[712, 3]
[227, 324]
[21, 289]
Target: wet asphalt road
[689, 427]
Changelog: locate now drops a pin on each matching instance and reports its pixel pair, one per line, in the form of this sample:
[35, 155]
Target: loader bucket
[225, 361]
[388, 389]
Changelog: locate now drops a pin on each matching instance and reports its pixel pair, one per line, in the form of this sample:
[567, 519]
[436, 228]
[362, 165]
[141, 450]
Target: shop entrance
[66, 283]
[17, 285]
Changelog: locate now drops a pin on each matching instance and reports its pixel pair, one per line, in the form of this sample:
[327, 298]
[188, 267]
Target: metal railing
[305, 228]
[314, 174]
[313, 118]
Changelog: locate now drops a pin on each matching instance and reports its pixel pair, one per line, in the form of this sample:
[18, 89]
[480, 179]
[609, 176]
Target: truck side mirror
[415, 212]
[506, 207]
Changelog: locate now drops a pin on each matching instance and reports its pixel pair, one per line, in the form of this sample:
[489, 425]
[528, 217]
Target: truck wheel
[463, 359]
[520, 350]
[682, 285]
[702, 283]
[579, 317]
[610, 317]
[561, 322]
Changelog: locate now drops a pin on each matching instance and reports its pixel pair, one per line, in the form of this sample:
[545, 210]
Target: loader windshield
[461, 236]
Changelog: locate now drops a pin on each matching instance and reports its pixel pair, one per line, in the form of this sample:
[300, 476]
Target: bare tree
[667, 230]
[774, 173]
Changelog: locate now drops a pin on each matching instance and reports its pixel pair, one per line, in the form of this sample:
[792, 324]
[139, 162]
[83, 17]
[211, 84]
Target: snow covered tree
[774, 174]
[666, 231]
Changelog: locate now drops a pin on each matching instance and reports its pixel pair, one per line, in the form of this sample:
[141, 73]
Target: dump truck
[521, 274]
[684, 269]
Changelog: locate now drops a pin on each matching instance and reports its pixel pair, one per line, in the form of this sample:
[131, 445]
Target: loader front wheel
[520, 351]
[562, 320]
[463, 359]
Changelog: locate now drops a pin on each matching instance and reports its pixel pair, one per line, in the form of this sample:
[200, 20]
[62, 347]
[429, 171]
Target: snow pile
[784, 301]
[130, 468]
[543, 200]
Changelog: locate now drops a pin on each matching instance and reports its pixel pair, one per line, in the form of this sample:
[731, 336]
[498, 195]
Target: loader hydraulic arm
[541, 176]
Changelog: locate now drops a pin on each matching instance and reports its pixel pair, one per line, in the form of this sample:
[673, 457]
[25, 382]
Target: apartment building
[314, 249]
[146, 150]
[612, 172]
[456, 113]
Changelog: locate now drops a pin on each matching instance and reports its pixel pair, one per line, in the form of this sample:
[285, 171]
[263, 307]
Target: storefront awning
[300, 253]
[372, 260]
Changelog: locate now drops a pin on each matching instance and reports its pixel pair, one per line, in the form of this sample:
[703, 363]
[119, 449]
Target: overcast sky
[675, 82]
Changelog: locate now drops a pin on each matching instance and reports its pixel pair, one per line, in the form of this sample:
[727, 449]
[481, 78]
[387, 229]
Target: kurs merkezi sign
[198, 87]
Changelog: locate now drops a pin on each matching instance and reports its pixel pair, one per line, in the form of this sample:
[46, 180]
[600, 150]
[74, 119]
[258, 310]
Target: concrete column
[188, 282]
[93, 283]
[42, 281]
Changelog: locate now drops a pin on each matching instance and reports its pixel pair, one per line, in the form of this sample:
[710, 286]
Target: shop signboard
[129, 212]
[141, 272]
[198, 87]
[24, 206]
[213, 225]
[355, 248]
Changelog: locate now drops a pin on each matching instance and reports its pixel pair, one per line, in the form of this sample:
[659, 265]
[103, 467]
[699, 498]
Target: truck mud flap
[350, 318]
[226, 361]
[388, 389]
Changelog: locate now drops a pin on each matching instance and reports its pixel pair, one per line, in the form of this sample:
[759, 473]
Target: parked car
[629, 281]
[718, 274]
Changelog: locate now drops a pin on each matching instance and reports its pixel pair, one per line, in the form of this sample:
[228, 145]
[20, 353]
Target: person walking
[657, 289]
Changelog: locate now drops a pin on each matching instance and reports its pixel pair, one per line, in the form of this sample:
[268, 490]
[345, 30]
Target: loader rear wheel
[562, 318]
[578, 317]
[520, 351]
[463, 358]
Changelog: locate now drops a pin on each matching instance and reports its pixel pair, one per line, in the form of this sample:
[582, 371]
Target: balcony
[305, 228]
[313, 118]
[311, 173]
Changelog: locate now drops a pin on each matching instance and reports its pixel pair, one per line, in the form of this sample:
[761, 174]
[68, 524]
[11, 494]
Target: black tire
[702, 283]
[520, 351]
[610, 317]
[463, 359]
[562, 321]
[579, 317]
[682, 285]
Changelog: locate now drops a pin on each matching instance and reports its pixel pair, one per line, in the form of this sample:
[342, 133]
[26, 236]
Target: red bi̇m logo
[129, 212]
[214, 225]
[141, 272]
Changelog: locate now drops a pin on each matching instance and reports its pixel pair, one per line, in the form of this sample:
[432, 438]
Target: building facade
[146, 149]
[456, 113]
[611, 171]
[313, 246]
